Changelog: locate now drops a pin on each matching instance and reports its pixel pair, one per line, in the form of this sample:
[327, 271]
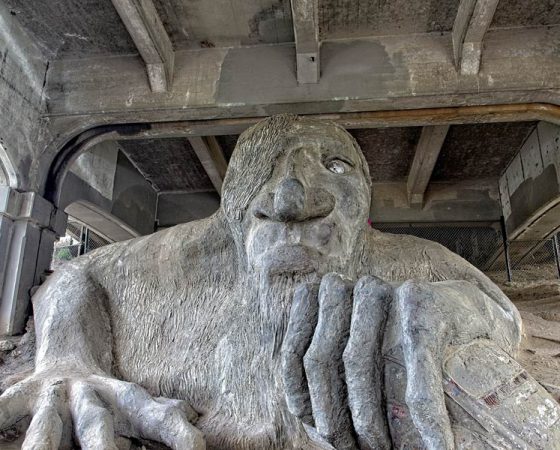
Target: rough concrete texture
[65, 28]
[180, 207]
[17, 356]
[97, 168]
[134, 198]
[373, 74]
[538, 302]
[530, 185]
[470, 152]
[104, 181]
[169, 164]
[28, 227]
[409, 67]
[539, 305]
[479, 150]
[23, 71]
[388, 151]
[466, 201]
[227, 143]
[374, 18]
[526, 13]
[68, 29]
[279, 320]
[226, 22]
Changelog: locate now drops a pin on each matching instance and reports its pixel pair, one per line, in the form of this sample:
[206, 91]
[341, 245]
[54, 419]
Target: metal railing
[480, 243]
[484, 246]
[78, 240]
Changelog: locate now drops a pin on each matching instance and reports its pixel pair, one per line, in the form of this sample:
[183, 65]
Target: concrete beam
[101, 222]
[212, 158]
[463, 201]
[306, 31]
[427, 152]
[148, 33]
[471, 23]
[519, 66]
[60, 153]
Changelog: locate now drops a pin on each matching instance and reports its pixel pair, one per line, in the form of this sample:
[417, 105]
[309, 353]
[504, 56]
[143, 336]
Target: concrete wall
[530, 186]
[23, 70]
[134, 199]
[105, 183]
[29, 226]
[97, 167]
[181, 207]
[91, 177]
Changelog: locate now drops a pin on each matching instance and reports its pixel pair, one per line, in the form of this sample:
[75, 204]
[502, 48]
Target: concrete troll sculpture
[281, 322]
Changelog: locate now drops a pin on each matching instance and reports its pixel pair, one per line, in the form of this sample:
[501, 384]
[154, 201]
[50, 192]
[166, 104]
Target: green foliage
[63, 254]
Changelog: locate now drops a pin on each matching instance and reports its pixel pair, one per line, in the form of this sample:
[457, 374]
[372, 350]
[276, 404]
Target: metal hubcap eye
[337, 166]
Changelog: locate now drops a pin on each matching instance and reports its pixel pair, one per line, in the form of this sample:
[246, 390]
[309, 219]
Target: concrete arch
[8, 174]
[77, 137]
[101, 222]
[106, 192]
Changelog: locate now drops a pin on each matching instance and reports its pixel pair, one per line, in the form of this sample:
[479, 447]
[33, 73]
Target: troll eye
[337, 166]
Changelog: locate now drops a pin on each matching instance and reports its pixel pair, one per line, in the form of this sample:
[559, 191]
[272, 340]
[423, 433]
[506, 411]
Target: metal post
[556, 252]
[83, 241]
[506, 247]
[86, 240]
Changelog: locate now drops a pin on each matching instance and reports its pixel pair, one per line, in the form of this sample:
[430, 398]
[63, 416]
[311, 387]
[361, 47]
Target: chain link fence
[482, 244]
[533, 260]
[77, 241]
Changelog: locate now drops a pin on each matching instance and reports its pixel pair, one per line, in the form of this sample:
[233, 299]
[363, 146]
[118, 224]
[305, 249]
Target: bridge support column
[29, 226]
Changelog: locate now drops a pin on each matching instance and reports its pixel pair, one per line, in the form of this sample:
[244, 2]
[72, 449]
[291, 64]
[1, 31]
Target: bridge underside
[129, 123]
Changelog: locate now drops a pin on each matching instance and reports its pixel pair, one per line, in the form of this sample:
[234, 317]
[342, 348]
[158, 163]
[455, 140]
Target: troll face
[309, 196]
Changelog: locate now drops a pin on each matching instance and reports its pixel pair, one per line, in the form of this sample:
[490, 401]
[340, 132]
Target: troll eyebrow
[339, 150]
[328, 146]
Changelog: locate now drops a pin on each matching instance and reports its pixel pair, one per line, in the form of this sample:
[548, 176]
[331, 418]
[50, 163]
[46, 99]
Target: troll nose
[289, 199]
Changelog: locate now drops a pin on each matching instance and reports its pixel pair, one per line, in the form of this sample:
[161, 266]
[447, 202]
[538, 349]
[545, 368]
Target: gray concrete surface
[322, 333]
[23, 70]
[29, 225]
[68, 67]
[530, 186]
[105, 178]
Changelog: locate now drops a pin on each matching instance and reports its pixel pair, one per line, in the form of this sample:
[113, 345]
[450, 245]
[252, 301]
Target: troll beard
[273, 296]
[248, 363]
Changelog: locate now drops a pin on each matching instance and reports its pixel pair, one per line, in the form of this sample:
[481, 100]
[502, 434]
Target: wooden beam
[471, 23]
[306, 32]
[427, 152]
[212, 158]
[148, 33]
